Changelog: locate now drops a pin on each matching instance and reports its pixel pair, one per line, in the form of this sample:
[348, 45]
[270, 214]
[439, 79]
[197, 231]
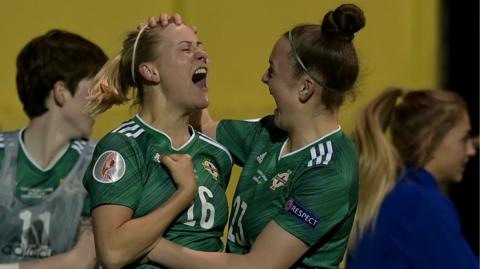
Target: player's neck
[44, 140]
[306, 131]
[175, 125]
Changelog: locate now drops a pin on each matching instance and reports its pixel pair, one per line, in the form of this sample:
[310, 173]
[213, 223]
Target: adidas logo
[260, 157]
[156, 158]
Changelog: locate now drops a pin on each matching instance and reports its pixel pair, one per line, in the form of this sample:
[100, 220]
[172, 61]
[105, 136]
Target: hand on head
[164, 20]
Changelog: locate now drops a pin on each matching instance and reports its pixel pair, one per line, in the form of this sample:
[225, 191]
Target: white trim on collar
[190, 128]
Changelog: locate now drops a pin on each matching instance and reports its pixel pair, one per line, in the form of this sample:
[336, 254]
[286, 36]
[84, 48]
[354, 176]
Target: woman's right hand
[164, 20]
[181, 168]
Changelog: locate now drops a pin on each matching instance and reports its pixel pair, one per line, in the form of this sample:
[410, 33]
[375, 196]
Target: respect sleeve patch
[301, 213]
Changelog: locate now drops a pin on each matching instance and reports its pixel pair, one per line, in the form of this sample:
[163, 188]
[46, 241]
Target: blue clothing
[417, 227]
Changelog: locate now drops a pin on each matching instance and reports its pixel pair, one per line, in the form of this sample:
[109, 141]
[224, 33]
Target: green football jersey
[40, 208]
[35, 183]
[311, 192]
[126, 170]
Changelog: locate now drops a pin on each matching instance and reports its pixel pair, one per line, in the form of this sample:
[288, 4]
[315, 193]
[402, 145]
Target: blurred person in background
[44, 223]
[403, 219]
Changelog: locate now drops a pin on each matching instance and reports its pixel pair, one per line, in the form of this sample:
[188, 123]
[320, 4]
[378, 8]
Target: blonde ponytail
[379, 161]
[107, 89]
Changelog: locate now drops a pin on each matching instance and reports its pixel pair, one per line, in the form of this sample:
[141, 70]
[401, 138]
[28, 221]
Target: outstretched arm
[120, 240]
[275, 248]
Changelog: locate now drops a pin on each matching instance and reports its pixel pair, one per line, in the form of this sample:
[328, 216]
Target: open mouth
[199, 77]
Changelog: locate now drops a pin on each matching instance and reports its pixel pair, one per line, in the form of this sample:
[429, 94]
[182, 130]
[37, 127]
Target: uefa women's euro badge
[109, 168]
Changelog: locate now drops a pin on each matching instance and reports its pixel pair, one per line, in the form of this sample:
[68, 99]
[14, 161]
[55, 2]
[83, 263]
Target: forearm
[60, 261]
[176, 256]
[54, 262]
[287, 250]
[136, 237]
[81, 256]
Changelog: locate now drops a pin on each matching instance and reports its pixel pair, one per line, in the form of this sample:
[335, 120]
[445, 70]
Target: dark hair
[328, 53]
[55, 56]
[113, 82]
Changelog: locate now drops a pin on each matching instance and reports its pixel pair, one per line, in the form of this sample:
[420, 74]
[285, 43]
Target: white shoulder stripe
[317, 157]
[313, 155]
[329, 152]
[129, 128]
[75, 147]
[78, 144]
[2, 145]
[318, 160]
[123, 125]
[211, 142]
[81, 142]
[136, 134]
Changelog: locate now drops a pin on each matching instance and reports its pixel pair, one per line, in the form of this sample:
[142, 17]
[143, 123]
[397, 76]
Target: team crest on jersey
[280, 180]
[211, 168]
[109, 167]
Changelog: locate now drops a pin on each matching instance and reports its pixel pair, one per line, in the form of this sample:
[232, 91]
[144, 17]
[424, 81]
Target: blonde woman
[141, 179]
[403, 220]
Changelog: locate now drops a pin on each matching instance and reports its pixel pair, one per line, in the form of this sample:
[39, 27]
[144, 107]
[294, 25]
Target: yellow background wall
[398, 46]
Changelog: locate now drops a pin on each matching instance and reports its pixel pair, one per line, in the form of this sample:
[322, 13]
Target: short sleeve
[319, 201]
[238, 137]
[114, 175]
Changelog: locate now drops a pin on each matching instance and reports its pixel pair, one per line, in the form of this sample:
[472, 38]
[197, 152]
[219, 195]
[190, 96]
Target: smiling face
[282, 85]
[183, 66]
[450, 157]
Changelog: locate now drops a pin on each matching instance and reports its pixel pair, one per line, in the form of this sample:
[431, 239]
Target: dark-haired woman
[296, 198]
[43, 221]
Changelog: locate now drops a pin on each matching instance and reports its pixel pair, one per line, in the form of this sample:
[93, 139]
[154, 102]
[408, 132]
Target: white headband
[134, 50]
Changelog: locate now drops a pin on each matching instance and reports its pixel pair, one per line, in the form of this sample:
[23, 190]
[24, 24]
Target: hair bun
[343, 22]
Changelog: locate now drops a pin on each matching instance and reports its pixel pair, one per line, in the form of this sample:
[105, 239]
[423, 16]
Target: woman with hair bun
[403, 219]
[296, 197]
